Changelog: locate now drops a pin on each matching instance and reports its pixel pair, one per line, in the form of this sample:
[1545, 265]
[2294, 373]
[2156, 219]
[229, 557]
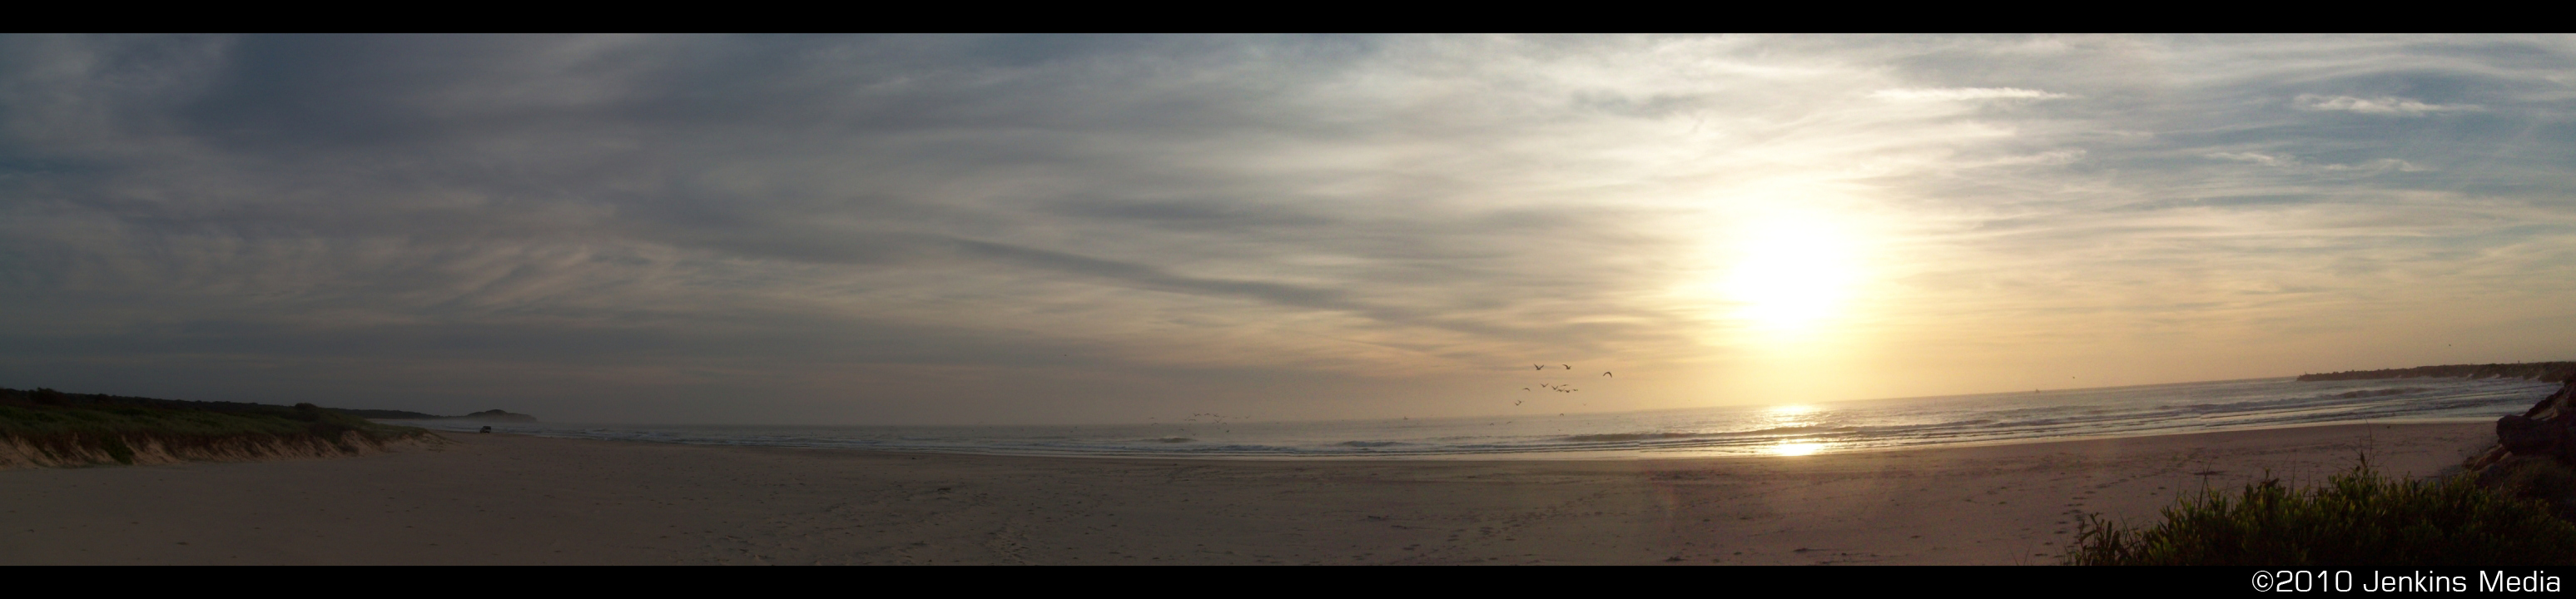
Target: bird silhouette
[1537, 367]
[1516, 403]
[1607, 373]
[1567, 366]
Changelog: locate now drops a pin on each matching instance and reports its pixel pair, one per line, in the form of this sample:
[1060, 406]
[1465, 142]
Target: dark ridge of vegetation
[52, 397]
[2544, 371]
[67, 426]
[388, 414]
[2357, 518]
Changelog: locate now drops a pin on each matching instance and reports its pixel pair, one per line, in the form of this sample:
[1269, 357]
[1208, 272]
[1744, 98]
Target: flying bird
[1567, 366]
[1607, 373]
[1537, 367]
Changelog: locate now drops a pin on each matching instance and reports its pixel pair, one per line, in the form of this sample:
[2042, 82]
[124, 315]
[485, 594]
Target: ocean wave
[1781, 431]
[1709, 431]
[2376, 393]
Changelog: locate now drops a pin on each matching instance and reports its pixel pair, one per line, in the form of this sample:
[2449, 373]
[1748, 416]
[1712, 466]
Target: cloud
[2383, 164]
[976, 228]
[2380, 105]
[2254, 157]
[1966, 93]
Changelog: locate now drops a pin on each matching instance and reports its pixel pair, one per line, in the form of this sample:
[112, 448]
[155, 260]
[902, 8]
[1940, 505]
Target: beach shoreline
[511, 499]
[1709, 431]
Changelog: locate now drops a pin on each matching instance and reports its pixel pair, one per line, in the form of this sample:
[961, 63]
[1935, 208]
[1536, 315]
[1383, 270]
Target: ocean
[1785, 429]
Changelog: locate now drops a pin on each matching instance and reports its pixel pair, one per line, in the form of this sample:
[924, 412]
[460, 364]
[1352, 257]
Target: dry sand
[504, 499]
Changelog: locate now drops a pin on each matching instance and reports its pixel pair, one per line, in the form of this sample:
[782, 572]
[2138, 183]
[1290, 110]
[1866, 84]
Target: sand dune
[503, 499]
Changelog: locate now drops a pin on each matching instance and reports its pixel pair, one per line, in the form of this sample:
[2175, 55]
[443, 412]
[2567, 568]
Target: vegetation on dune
[2357, 518]
[2549, 372]
[2550, 483]
[70, 428]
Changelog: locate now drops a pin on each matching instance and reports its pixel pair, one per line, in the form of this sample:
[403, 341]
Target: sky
[1099, 229]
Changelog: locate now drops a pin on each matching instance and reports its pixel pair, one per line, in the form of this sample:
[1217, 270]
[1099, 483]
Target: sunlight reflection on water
[1797, 447]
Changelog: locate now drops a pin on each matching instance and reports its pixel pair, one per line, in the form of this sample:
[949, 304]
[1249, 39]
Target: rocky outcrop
[495, 416]
[2547, 430]
[2534, 456]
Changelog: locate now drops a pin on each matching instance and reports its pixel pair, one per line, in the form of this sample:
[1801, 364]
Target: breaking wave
[1738, 430]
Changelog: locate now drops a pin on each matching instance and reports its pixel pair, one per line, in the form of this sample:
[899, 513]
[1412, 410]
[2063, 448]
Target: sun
[1790, 272]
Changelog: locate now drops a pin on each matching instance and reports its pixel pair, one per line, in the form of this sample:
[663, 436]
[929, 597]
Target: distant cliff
[2543, 371]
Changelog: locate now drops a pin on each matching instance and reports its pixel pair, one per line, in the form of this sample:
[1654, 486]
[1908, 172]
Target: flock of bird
[1557, 387]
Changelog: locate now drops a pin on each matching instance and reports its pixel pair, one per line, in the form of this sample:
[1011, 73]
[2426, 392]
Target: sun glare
[1790, 272]
[1793, 416]
[1790, 412]
[1796, 448]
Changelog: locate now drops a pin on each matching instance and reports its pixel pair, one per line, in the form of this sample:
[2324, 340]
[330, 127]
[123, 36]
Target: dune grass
[2356, 518]
[64, 425]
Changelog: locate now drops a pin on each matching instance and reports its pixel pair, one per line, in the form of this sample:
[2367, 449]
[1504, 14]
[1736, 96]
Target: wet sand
[506, 499]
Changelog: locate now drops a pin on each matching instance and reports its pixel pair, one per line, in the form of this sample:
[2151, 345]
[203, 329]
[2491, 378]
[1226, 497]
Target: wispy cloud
[1066, 228]
[2379, 105]
[2255, 157]
[2383, 164]
[1967, 93]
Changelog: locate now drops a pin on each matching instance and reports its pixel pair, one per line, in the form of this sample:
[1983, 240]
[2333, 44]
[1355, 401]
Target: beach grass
[2356, 518]
[67, 427]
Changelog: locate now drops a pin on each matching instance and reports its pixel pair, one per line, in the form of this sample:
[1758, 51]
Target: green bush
[2358, 518]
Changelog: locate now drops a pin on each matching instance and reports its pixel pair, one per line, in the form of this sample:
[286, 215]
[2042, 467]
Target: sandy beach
[505, 499]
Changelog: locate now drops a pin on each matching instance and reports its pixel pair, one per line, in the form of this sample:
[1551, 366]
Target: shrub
[2537, 478]
[117, 450]
[2358, 518]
